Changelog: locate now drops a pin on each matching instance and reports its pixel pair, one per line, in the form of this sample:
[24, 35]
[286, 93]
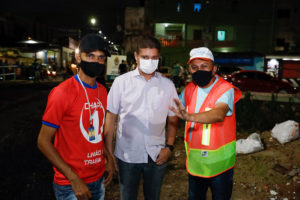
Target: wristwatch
[171, 147]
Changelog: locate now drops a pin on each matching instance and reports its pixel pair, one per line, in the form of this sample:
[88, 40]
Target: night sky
[70, 13]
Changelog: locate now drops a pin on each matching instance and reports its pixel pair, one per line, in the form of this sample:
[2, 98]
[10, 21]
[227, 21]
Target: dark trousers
[131, 173]
[221, 186]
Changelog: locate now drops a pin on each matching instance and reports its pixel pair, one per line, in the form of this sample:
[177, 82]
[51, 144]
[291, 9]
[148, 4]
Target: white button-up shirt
[142, 107]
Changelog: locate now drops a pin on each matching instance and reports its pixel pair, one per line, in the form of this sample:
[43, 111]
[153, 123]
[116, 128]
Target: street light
[93, 21]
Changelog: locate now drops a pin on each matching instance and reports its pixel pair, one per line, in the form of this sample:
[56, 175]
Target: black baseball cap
[93, 41]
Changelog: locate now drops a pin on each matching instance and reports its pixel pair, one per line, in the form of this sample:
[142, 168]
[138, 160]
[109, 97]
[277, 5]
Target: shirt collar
[137, 73]
[85, 84]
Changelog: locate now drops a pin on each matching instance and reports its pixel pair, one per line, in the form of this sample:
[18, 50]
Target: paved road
[25, 173]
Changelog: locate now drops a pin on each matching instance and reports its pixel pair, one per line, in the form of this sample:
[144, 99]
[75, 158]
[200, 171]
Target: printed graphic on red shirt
[92, 134]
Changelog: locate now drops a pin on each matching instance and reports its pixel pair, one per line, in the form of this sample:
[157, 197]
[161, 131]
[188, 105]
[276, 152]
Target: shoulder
[68, 84]
[124, 77]
[226, 85]
[164, 80]
[120, 82]
[220, 85]
[224, 82]
[101, 88]
[190, 85]
[66, 89]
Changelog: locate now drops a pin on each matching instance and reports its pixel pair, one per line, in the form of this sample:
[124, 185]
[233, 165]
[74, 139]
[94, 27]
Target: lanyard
[87, 98]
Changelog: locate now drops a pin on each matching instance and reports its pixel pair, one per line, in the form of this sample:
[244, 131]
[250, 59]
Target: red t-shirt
[67, 110]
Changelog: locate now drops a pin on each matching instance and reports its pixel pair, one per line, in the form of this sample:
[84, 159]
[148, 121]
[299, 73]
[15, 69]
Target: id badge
[91, 133]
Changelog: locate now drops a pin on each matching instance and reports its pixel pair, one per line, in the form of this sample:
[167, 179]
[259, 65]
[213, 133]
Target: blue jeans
[221, 186]
[65, 192]
[131, 173]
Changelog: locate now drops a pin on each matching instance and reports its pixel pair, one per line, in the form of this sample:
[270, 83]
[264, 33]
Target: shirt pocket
[160, 102]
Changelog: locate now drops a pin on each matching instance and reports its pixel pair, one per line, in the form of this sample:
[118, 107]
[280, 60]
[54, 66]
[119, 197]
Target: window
[221, 35]
[197, 7]
[178, 6]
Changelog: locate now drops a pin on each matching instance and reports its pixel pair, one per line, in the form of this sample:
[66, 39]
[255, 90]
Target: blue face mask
[92, 69]
[201, 77]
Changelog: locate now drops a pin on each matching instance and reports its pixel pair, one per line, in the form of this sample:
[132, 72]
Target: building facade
[225, 26]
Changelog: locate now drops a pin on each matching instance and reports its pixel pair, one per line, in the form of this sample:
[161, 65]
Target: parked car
[257, 81]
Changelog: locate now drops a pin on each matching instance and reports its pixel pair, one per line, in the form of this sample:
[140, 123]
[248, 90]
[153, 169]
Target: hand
[163, 156]
[115, 163]
[110, 167]
[80, 189]
[180, 111]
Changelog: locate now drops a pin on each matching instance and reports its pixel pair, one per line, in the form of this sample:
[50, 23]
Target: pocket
[160, 102]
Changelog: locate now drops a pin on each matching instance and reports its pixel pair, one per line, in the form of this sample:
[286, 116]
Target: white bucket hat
[202, 53]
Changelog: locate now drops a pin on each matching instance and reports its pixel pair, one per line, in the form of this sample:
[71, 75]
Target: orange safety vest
[211, 149]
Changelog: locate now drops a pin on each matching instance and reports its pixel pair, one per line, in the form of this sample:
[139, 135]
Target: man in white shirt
[140, 100]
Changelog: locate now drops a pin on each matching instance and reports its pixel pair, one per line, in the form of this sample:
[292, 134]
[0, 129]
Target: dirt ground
[273, 173]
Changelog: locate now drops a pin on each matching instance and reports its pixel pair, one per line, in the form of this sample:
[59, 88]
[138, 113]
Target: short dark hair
[147, 42]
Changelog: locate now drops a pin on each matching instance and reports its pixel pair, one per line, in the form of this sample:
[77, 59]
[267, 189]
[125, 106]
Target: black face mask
[92, 69]
[201, 77]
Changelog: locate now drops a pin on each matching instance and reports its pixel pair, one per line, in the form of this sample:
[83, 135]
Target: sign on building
[113, 63]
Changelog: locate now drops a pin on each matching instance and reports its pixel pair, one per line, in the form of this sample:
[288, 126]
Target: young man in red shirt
[74, 116]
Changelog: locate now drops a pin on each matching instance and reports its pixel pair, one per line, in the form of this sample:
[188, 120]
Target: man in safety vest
[207, 106]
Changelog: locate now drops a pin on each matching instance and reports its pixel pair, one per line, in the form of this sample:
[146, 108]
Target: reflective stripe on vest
[206, 132]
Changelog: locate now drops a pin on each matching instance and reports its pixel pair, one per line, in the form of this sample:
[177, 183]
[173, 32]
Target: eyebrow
[149, 56]
[202, 65]
[205, 65]
[91, 53]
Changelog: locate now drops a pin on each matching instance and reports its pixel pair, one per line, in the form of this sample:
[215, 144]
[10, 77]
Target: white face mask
[148, 66]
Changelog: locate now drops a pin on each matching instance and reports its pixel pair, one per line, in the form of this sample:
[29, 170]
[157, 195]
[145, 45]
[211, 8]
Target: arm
[216, 114]
[165, 153]
[109, 166]
[45, 145]
[109, 128]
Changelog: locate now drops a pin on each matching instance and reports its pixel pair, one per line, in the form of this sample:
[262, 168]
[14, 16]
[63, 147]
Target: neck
[85, 78]
[146, 76]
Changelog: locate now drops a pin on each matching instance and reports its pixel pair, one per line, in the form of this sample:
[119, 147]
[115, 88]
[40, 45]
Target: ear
[136, 56]
[77, 57]
[190, 69]
[215, 68]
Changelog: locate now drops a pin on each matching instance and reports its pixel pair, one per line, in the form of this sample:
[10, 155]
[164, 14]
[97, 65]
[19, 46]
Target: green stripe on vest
[208, 163]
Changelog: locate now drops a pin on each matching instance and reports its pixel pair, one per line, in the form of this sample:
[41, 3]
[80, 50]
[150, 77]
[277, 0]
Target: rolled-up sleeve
[227, 98]
[181, 98]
